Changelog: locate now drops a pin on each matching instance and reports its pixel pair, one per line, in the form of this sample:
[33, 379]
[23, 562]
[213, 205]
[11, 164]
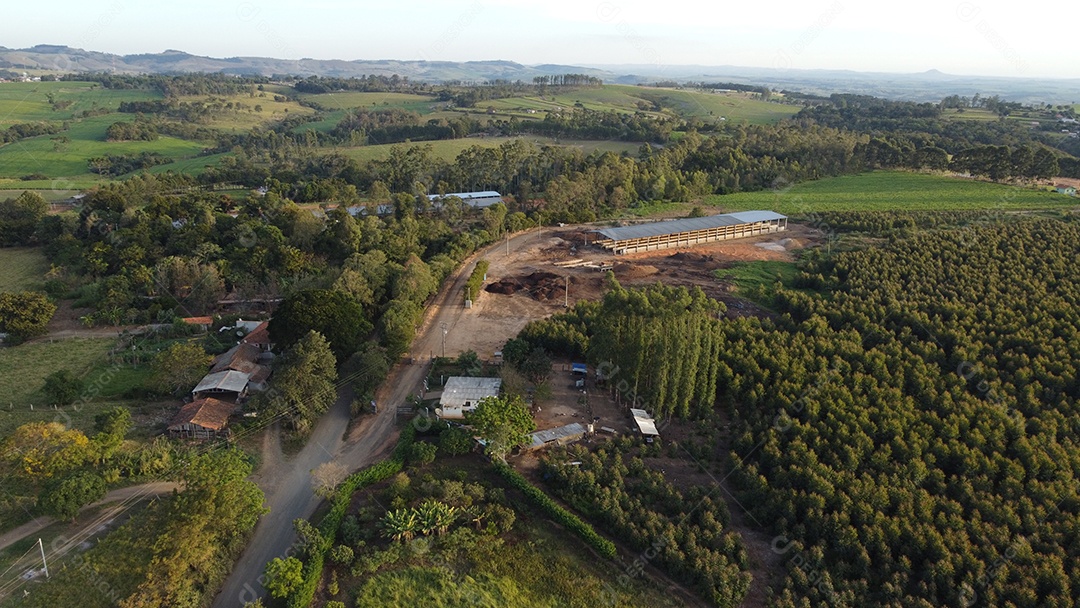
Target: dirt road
[287, 481]
[121, 496]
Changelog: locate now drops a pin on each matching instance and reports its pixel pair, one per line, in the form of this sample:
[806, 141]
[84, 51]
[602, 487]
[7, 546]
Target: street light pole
[43, 562]
[444, 328]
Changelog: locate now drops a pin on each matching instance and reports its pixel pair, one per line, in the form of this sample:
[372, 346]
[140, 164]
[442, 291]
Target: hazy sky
[990, 38]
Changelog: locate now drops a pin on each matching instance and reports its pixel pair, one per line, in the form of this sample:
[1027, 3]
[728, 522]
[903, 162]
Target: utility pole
[444, 330]
[566, 302]
[43, 562]
[508, 243]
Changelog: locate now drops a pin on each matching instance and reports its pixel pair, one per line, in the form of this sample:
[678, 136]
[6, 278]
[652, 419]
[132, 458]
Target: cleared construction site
[688, 232]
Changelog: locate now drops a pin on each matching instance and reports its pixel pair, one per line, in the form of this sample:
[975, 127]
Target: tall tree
[335, 315]
[304, 387]
[503, 422]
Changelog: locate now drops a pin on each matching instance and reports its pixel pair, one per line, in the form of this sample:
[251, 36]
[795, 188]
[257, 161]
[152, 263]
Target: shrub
[422, 453]
[455, 441]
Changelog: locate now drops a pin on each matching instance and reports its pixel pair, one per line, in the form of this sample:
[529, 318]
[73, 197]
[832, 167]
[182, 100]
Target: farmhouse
[1066, 190]
[245, 358]
[260, 337]
[202, 419]
[690, 231]
[486, 198]
[229, 384]
[461, 394]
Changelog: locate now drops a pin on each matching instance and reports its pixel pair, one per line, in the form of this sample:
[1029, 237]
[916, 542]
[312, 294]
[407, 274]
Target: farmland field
[22, 268]
[624, 98]
[448, 149]
[356, 99]
[29, 101]
[894, 191]
[43, 155]
[26, 366]
[242, 120]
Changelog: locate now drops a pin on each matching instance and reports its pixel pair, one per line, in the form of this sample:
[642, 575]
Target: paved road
[121, 495]
[289, 493]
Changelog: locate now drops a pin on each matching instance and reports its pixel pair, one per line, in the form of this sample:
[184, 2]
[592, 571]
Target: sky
[990, 38]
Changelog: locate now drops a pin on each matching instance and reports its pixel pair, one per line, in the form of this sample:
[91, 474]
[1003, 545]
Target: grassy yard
[26, 366]
[891, 191]
[22, 268]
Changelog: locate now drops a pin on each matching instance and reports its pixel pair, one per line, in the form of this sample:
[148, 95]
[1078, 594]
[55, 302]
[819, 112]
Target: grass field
[245, 119]
[422, 104]
[764, 273]
[735, 107]
[892, 191]
[43, 155]
[26, 366]
[448, 149]
[969, 114]
[29, 101]
[22, 268]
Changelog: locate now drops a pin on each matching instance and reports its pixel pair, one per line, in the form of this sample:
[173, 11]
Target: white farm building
[485, 198]
[461, 394]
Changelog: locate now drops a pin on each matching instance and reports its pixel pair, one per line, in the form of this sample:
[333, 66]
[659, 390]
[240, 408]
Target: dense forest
[908, 426]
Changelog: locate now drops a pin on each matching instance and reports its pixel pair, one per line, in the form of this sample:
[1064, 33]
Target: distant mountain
[931, 85]
[67, 59]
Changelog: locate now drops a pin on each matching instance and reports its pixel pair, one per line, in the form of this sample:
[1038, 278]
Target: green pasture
[22, 268]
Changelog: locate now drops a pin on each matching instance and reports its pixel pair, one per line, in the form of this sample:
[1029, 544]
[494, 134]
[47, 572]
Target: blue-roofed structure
[688, 232]
[485, 198]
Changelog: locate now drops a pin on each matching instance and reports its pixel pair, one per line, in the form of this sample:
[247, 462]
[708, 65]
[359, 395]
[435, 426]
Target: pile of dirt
[691, 257]
[543, 286]
[630, 272]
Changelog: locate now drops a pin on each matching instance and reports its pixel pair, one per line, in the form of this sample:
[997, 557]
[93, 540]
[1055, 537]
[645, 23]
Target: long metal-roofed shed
[484, 198]
[690, 231]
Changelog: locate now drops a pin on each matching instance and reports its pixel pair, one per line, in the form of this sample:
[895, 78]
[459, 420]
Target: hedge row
[554, 510]
[476, 280]
[328, 527]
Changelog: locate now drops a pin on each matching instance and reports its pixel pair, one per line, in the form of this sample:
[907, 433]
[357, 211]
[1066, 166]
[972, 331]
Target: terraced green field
[893, 191]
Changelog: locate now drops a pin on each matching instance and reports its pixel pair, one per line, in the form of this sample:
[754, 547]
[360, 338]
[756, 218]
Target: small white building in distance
[486, 198]
[461, 394]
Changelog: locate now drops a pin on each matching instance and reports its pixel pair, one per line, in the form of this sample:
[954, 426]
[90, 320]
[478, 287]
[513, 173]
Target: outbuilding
[229, 384]
[202, 419]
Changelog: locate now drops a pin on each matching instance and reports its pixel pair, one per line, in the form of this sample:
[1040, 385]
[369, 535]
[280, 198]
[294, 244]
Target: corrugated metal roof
[232, 381]
[645, 423]
[460, 390]
[574, 429]
[688, 224]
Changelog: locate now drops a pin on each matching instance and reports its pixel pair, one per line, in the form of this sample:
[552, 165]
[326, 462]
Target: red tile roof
[198, 320]
[260, 335]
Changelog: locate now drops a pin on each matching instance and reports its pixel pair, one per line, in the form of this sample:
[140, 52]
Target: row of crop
[557, 512]
[304, 594]
[476, 280]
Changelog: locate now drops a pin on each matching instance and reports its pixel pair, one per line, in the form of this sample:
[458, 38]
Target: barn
[688, 232]
[202, 419]
[485, 198]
